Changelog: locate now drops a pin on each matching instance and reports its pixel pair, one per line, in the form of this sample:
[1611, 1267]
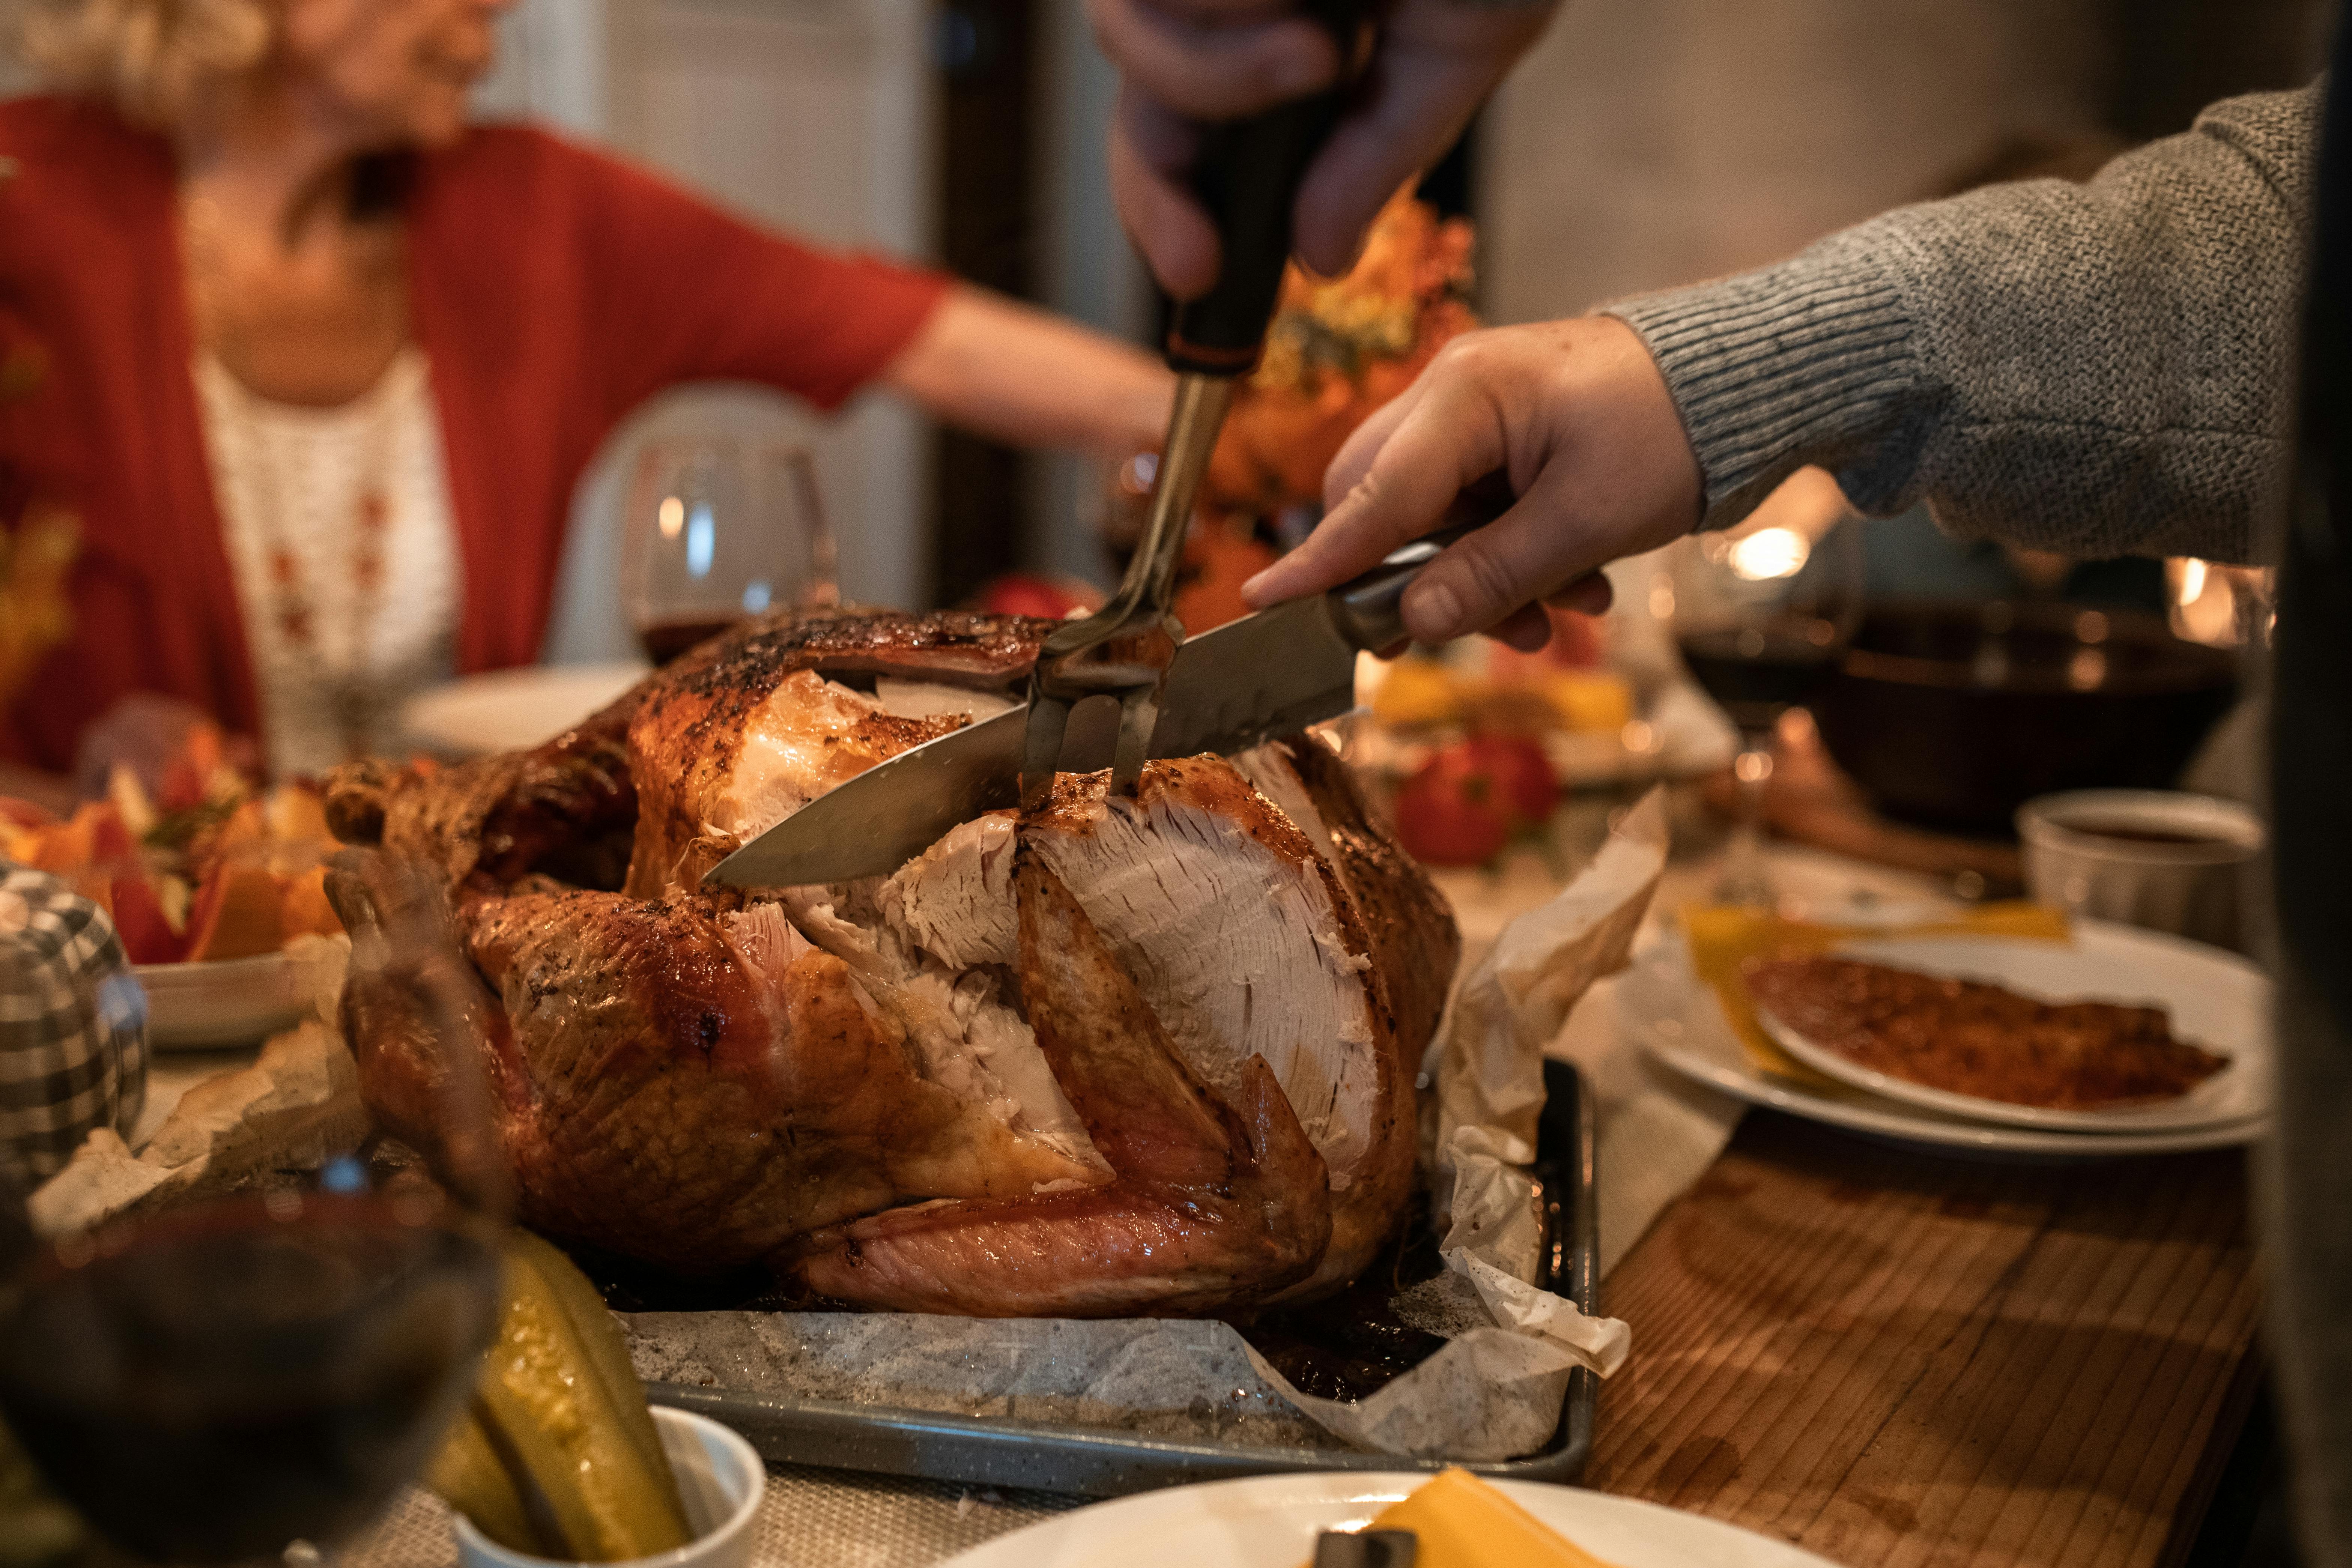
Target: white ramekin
[2190, 890]
[720, 1477]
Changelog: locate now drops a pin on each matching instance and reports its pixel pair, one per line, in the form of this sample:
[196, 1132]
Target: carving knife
[1265, 675]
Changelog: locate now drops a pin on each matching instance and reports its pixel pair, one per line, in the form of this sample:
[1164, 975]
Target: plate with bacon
[2116, 1031]
[2114, 1041]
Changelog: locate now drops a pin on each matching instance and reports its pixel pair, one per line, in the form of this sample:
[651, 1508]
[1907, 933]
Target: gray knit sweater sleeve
[2101, 368]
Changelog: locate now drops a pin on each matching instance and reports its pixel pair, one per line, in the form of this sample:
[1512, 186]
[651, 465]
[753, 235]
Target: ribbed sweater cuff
[1808, 361]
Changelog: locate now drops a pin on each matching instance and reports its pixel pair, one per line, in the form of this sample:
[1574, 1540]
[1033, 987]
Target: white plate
[1271, 1521]
[507, 708]
[233, 1001]
[1661, 1004]
[2216, 1000]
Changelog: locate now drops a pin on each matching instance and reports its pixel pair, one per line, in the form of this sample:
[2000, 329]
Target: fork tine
[1139, 715]
[1040, 756]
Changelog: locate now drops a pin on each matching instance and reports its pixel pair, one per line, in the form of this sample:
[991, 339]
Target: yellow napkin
[1460, 1521]
[1723, 937]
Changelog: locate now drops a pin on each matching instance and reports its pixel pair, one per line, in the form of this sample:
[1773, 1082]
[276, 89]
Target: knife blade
[1264, 676]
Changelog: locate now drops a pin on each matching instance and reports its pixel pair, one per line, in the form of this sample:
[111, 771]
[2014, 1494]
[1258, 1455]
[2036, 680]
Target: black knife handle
[1248, 175]
[1370, 610]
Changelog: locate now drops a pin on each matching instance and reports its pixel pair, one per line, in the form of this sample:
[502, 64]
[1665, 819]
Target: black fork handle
[1248, 174]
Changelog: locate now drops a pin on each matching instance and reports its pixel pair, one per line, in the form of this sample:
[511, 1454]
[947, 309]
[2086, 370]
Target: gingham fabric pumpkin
[73, 1025]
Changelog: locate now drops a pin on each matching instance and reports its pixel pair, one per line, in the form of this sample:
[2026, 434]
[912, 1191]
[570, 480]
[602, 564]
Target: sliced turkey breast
[971, 1036]
[763, 723]
[1219, 1200]
[1242, 939]
[1415, 944]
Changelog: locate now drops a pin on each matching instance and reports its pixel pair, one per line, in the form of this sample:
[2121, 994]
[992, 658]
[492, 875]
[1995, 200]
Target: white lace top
[372, 620]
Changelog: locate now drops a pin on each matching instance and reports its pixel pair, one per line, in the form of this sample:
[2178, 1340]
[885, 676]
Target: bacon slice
[1967, 1038]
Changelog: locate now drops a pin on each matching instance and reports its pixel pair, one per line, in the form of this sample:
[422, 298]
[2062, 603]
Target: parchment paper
[1154, 1377]
[1487, 1065]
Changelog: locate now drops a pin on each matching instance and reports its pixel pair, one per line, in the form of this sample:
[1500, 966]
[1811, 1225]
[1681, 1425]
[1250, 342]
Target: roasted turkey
[1113, 1056]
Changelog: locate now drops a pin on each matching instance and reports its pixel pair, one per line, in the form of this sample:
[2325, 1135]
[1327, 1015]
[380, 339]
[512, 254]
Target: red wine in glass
[239, 1375]
[1761, 668]
[664, 640]
[1763, 615]
[213, 1381]
[718, 531]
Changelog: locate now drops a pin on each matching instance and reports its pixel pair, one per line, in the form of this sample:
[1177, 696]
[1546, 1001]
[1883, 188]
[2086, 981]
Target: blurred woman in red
[321, 363]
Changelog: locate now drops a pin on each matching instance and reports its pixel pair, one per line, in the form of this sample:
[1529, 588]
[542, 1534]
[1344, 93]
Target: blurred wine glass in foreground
[211, 1381]
[718, 531]
[1762, 613]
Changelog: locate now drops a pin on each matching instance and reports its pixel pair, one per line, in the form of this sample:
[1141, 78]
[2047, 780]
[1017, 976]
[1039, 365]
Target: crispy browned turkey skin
[1114, 1056]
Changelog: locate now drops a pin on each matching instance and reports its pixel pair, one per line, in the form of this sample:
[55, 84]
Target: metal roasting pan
[1097, 1461]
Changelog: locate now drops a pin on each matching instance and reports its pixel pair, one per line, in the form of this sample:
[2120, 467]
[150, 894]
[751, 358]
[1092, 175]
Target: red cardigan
[553, 289]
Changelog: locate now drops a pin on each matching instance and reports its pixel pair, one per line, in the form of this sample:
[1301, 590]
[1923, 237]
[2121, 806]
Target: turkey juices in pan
[1148, 1056]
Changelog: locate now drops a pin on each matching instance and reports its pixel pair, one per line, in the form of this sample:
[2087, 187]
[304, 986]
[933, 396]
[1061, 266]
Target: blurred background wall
[1645, 142]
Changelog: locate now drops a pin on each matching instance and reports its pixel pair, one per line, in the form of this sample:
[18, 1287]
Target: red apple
[1470, 797]
[1019, 594]
[1452, 812]
[1522, 774]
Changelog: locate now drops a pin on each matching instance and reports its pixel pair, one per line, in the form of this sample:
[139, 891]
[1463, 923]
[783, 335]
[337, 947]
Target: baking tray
[1097, 1461]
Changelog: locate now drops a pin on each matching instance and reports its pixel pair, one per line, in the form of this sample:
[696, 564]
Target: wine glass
[719, 530]
[216, 1379]
[1763, 614]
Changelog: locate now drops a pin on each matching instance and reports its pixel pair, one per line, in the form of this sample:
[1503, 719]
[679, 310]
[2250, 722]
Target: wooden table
[1890, 1357]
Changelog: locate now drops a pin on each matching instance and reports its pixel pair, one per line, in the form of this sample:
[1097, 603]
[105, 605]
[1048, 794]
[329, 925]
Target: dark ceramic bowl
[1954, 714]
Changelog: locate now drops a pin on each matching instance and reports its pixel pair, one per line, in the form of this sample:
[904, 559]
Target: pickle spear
[608, 1352]
[561, 1418]
[470, 1477]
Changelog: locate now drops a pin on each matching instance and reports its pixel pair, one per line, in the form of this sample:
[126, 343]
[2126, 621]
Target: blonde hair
[147, 58]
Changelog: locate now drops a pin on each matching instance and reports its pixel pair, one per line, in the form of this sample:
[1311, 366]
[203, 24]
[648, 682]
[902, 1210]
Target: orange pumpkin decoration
[1340, 348]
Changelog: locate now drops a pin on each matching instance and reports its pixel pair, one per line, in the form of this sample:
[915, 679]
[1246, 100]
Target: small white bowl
[226, 1002]
[2157, 859]
[720, 1477]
